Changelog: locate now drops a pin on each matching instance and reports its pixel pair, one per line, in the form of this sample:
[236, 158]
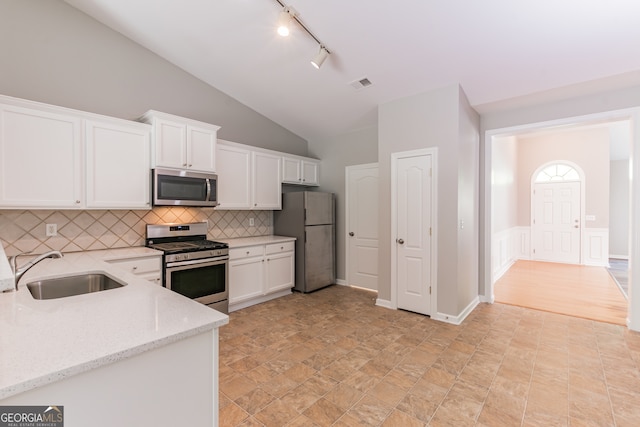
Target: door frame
[583, 192]
[433, 152]
[633, 116]
[347, 179]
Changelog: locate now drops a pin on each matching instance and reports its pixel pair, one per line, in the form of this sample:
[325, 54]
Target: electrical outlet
[51, 230]
[251, 222]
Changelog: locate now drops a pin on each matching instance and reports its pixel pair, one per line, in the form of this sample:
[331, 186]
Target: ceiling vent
[360, 83]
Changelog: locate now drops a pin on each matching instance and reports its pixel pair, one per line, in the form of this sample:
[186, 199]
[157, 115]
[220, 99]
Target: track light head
[320, 57]
[284, 21]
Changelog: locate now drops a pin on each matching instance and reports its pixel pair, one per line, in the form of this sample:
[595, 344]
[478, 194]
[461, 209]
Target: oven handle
[210, 261]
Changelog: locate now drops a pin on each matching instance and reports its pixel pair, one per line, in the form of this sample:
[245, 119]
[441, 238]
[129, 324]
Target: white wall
[587, 148]
[56, 54]
[619, 209]
[353, 148]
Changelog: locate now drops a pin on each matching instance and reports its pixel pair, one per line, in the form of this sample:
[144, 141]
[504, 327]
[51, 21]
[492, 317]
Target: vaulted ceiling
[495, 49]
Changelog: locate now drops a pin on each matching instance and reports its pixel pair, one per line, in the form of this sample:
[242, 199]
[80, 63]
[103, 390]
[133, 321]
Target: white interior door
[362, 226]
[556, 222]
[413, 240]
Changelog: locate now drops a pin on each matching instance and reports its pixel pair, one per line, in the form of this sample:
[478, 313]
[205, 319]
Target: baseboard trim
[457, 320]
[384, 303]
[489, 300]
[341, 282]
[253, 301]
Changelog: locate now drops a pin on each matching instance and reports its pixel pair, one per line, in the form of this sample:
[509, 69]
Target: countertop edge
[240, 242]
[105, 360]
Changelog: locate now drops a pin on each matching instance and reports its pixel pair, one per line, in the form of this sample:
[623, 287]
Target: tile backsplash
[24, 230]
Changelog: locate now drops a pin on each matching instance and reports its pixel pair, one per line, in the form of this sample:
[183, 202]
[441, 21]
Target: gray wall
[56, 54]
[441, 118]
[619, 209]
[505, 184]
[353, 148]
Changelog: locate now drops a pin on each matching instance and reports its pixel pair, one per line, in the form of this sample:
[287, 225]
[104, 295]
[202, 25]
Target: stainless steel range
[193, 266]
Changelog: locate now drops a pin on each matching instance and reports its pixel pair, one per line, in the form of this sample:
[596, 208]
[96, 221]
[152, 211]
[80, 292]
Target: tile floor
[332, 358]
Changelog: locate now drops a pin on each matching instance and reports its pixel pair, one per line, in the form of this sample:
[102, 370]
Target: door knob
[576, 226]
[351, 234]
[400, 241]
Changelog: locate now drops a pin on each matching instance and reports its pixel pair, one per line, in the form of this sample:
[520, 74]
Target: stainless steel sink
[72, 285]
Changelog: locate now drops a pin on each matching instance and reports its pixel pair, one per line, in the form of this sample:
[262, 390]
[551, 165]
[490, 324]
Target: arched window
[558, 172]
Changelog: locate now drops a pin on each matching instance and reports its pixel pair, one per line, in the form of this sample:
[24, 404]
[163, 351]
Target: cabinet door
[266, 193]
[279, 272]
[234, 178]
[118, 164]
[245, 279]
[291, 170]
[201, 149]
[170, 139]
[310, 173]
[40, 159]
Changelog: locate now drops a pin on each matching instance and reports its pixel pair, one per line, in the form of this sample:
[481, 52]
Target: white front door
[413, 238]
[556, 222]
[362, 226]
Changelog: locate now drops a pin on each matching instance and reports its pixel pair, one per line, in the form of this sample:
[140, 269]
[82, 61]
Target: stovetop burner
[187, 246]
[178, 238]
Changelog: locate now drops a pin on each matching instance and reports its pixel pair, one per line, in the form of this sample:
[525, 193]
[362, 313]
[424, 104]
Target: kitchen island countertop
[44, 341]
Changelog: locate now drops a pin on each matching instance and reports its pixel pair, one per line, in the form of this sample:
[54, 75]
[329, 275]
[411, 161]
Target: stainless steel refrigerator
[309, 216]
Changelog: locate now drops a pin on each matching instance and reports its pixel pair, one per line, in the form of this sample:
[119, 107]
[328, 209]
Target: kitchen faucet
[19, 272]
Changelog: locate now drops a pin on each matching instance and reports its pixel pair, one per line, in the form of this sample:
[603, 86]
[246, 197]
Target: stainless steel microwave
[184, 188]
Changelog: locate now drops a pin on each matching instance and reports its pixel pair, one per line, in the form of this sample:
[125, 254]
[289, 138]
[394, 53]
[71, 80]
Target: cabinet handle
[184, 164]
[77, 202]
[281, 247]
[247, 252]
[190, 164]
[134, 268]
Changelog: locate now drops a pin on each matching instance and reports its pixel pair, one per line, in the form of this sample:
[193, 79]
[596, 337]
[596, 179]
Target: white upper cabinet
[300, 171]
[310, 172]
[234, 177]
[118, 165]
[267, 188]
[57, 158]
[248, 179]
[181, 143]
[40, 159]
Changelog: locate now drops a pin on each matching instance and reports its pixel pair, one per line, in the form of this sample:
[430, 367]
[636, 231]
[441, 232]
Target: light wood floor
[574, 290]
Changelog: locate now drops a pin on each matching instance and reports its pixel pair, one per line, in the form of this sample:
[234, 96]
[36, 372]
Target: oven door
[202, 280]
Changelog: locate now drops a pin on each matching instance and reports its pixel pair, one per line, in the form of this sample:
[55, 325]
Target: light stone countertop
[43, 341]
[241, 242]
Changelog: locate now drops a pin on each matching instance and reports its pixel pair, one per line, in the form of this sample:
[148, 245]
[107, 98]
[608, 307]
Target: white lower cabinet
[260, 273]
[148, 267]
[279, 260]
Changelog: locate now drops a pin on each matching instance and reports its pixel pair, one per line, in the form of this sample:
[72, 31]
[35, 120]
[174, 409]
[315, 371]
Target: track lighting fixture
[319, 58]
[284, 21]
[287, 16]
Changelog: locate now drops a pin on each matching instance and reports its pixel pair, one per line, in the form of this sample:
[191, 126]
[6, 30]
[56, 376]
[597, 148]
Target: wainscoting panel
[514, 244]
[595, 249]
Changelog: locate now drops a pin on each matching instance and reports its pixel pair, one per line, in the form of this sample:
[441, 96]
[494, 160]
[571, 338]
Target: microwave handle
[209, 191]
